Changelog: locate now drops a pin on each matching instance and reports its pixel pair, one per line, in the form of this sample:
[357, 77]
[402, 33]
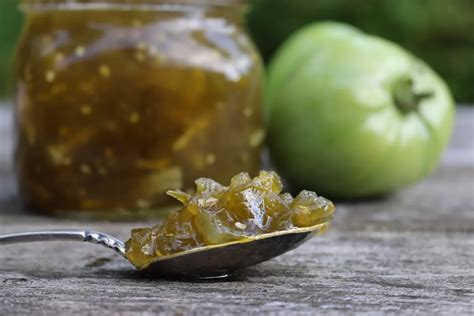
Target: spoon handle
[66, 235]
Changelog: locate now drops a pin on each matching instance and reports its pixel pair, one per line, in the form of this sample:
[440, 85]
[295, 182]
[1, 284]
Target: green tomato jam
[219, 214]
[115, 107]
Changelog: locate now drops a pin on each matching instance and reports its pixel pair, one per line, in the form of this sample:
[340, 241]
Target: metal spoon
[203, 262]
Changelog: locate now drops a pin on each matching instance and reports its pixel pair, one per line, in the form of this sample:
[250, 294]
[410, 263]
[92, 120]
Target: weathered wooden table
[412, 252]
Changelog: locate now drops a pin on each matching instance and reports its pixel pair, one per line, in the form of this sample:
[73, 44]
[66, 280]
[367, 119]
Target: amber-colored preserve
[218, 214]
[118, 101]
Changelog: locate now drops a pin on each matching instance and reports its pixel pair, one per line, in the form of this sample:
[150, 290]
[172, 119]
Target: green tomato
[353, 115]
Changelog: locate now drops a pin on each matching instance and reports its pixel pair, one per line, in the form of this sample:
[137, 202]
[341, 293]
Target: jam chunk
[218, 214]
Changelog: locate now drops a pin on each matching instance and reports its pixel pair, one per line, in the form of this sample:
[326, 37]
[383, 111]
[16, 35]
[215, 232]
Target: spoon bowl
[222, 260]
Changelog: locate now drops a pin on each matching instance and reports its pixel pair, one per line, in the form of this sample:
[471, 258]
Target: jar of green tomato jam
[118, 101]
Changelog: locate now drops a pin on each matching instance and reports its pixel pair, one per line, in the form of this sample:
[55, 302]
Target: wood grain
[412, 252]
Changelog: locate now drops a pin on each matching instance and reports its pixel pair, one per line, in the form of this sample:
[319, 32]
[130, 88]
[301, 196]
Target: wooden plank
[340, 272]
[412, 252]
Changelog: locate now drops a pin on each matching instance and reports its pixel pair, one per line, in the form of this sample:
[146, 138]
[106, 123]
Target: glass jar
[119, 101]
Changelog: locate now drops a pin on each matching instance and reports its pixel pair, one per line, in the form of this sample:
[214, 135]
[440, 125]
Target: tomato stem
[405, 98]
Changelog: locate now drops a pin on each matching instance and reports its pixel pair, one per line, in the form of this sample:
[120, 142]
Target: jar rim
[123, 4]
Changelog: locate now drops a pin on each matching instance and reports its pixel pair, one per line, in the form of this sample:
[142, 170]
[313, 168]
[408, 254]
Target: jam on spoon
[218, 231]
[217, 214]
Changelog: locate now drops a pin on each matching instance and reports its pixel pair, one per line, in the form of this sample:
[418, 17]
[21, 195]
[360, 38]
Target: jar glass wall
[118, 102]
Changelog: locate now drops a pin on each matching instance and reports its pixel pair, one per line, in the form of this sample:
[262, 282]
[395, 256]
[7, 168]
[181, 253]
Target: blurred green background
[441, 32]
[10, 24]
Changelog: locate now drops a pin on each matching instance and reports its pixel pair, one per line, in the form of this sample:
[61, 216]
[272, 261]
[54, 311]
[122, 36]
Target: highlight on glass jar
[117, 103]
